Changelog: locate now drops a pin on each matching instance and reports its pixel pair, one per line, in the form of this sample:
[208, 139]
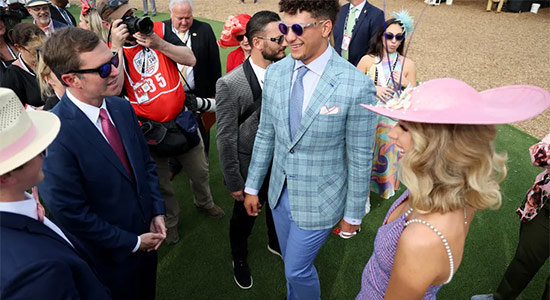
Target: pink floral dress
[538, 194]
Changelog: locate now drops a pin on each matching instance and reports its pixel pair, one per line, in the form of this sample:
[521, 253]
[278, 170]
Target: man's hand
[119, 35]
[252, 205]
[158, 226]
[150, 241]
[238, 195]
[348, 230]
[152, 41]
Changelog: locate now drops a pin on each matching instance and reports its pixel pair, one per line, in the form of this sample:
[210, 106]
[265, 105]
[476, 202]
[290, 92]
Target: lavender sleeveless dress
[376, 274]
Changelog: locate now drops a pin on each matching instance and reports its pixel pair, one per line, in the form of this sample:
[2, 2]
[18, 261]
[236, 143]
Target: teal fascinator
[406, 20]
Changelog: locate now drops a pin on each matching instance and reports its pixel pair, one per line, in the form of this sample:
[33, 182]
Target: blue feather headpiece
[406, 20]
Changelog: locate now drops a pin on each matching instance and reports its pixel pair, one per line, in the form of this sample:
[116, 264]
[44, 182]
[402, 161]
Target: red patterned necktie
[114, 140]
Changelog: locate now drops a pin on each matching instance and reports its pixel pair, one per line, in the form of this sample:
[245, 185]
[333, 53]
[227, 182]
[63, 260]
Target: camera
[135, 24]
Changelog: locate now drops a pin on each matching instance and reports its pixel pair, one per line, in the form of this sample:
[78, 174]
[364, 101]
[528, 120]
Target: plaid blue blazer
[327, 165]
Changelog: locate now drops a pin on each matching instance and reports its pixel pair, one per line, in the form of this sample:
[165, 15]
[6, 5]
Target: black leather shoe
[241, 274]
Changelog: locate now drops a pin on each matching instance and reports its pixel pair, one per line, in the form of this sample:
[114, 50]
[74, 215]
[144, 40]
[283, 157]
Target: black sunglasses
[239, 38]
[104, 70]
[278, 40]
[298, 29]
[398, 37]
[113, 4]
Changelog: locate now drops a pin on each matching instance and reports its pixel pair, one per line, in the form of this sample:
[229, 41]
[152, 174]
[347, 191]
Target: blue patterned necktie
[297, 101]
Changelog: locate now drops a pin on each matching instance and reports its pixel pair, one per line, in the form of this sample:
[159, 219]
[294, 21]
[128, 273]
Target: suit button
[292, 150]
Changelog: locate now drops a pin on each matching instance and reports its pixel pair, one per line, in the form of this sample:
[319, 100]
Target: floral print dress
[538, 194]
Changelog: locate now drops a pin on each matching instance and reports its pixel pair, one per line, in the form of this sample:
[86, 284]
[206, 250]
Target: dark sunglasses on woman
[398, 37]
[104, 70]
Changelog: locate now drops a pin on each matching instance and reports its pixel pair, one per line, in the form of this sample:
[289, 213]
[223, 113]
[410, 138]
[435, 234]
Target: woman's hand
[384, 94]
[397, 76]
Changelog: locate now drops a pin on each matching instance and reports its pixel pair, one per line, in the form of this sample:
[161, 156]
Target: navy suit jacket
[89, 192]
[58, 25]
[37, 263]
[369, 21]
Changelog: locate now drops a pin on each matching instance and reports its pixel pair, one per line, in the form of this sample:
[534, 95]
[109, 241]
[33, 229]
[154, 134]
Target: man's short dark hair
[256, 25]
[62, 50]
[319, 9]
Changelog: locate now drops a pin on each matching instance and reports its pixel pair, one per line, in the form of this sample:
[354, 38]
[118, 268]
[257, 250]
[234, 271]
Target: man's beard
[271, 56]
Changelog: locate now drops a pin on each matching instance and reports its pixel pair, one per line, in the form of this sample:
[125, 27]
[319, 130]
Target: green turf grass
[199, 266]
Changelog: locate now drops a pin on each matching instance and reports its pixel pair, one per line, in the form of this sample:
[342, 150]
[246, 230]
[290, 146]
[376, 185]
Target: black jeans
[241, 224]
[532, 252]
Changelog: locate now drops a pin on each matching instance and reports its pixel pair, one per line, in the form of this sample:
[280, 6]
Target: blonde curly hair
[451, 166]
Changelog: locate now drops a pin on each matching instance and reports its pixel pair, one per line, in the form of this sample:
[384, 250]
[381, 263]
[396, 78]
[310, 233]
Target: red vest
[165, 94]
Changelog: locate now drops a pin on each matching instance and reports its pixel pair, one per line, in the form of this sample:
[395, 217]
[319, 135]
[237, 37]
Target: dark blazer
[58, 25]
[369, 21]
[37, 263]
[56, 15]
[90, 193]
[208, 68]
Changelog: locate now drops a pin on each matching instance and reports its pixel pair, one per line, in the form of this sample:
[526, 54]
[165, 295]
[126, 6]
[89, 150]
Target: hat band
[18, 145]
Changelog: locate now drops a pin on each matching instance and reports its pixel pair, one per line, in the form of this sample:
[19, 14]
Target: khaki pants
[195, 165]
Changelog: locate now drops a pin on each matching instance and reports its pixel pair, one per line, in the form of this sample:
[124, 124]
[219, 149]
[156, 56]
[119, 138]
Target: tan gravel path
[464, 41]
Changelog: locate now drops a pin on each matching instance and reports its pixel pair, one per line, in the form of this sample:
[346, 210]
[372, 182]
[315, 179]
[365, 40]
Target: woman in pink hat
[445, 132]
[388, 68]
[91, 20]
[233, 34]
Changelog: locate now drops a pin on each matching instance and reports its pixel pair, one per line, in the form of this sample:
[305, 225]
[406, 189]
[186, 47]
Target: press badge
[345, 42]
[140, 90]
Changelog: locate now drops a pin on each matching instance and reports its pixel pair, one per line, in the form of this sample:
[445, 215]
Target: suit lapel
[126, 133]
[362, 17]
[322, 93]
[79, 122]
[24, 223]
[284, 100]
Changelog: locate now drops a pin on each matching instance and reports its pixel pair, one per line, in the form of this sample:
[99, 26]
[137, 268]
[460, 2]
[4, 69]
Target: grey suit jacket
[235, 143]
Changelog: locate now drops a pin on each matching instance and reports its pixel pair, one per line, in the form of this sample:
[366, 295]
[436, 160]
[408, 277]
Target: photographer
[152, 83]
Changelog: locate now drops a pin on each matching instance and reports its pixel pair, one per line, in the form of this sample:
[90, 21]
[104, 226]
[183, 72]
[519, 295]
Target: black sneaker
[241, 274]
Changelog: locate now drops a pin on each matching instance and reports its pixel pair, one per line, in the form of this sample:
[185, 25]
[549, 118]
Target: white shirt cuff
[352, 221]
[136, 248]
[251, 191]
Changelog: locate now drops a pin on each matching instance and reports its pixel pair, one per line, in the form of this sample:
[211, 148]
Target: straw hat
[32, 3]
[451, 101]
[23, 134]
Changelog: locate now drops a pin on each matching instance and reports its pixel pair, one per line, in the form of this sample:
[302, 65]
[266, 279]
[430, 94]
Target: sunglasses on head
[298, 29]
[104, 70]
[113, 4]
[398, 37]
[278, 40]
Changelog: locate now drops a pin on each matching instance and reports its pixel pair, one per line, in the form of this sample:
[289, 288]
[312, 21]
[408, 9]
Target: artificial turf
[199, 266]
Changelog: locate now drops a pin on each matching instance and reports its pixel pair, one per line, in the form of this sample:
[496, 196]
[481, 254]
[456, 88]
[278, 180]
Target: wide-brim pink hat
[234, 26]
[451, 101]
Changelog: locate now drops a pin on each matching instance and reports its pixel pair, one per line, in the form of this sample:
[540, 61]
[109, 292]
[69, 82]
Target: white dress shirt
[27, 208]
[189, 70]
[92, 112]
[259, 71]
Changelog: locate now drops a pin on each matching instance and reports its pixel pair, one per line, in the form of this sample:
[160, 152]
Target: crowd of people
[305, 137]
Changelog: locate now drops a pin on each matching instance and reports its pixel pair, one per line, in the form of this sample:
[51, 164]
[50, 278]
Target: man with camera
[152, 83]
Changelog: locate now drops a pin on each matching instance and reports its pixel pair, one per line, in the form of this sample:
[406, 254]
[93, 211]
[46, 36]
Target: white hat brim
[47, 126]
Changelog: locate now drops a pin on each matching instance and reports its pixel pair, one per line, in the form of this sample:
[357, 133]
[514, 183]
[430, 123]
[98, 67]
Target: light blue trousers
[299, 248]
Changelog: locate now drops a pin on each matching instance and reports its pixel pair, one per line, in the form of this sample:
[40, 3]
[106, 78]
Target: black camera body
[143, 25]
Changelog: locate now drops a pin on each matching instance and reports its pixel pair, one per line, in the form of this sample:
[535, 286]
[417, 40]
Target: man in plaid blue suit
[319, 138]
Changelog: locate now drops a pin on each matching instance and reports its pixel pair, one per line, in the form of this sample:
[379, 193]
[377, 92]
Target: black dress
[23, 83]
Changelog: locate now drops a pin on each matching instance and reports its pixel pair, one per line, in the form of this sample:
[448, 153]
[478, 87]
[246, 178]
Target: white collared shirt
[92, 112]
[359, 9]
[27, 208]
[316, 69]
[259, 71]
[189, 70]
